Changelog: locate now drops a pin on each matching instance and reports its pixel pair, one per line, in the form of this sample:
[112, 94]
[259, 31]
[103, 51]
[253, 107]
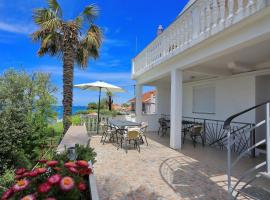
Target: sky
[123, 22]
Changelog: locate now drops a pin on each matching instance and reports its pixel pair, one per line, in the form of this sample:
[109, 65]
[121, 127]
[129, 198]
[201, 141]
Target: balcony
[198, 22]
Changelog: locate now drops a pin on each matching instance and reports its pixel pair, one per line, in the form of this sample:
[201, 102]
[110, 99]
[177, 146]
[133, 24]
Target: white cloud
[17, 28]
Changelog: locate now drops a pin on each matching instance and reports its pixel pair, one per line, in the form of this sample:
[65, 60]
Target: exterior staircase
[254, 182]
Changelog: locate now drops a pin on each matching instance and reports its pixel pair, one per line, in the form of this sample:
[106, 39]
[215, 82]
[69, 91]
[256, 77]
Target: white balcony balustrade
[198, 22]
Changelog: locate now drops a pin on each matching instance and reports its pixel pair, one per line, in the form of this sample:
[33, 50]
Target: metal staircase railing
[234, 190]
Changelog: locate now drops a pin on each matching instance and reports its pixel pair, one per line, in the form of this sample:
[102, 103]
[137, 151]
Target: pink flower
[7, 194]
[20, 171]
[42, 161]
[85, 171]
[29, 197]
[81, 186]
[57, 168]
[54, 179]
[82, 163]
[26, 174]
[21, 185]
[33, 173]
[18, 177]
[70, 164]
[73, 170]
[52, 163]
[67, 183]
[44, 188]
[41, 170]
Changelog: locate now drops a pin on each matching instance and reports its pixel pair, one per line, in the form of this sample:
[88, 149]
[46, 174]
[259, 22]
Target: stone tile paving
[159, 173]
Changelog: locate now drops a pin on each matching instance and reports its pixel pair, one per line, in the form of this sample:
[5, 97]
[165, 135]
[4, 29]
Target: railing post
[253, 141]
[268, 137]
[229, 161]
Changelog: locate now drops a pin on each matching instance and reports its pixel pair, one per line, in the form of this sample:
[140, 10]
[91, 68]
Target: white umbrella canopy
[101, 87]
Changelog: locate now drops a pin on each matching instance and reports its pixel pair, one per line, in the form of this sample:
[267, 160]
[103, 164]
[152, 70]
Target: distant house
[148, 102]
[117, 107]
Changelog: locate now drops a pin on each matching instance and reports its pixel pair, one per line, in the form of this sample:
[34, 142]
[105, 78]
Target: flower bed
[51, 180]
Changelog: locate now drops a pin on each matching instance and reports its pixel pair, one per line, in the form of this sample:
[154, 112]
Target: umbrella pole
[98, 110]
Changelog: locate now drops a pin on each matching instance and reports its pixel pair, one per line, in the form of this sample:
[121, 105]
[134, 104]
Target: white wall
[163, 99]
[262, 95]
[152, 120]
[232, 95]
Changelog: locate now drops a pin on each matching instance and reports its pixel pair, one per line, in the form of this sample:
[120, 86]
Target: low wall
[152, 120]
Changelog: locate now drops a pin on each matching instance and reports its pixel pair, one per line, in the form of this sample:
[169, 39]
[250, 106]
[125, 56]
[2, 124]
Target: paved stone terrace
[161, 173]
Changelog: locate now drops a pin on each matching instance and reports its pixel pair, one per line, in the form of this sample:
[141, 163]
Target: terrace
[159, 172]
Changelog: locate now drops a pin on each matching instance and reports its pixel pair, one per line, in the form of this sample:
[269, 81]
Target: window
[204, 100]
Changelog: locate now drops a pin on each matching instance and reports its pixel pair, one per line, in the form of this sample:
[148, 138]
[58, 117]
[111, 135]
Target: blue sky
[122, 22]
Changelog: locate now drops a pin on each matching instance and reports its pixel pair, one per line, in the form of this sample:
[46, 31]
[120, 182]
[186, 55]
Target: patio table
[123, 123]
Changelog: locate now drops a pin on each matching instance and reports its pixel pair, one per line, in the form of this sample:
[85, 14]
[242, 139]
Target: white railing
[201, 20]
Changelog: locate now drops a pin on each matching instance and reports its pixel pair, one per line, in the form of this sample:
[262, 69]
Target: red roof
[145, 97]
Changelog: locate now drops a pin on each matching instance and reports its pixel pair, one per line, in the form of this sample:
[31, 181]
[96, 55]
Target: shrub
[25, 111]
[83, 153]
[6, 180]
[92, 106]
[76, 120]
[82, 112]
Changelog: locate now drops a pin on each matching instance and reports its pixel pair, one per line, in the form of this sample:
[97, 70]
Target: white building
[148, 100]
[211, 62]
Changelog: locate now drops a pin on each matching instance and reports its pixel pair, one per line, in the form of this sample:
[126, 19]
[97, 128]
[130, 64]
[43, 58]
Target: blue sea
[59, 110]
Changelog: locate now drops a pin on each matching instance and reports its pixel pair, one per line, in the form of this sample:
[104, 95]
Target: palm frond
[89, 46]
[54, 5]
[46, 19]
[51, 43]
[90, 13]
[93, 37]
[82, 56]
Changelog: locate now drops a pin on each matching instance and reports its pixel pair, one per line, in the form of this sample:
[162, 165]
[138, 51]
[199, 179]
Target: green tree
[92, 106]
[69, 41]
[25, 111]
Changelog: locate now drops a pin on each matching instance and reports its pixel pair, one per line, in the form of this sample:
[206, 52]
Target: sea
[60, 109]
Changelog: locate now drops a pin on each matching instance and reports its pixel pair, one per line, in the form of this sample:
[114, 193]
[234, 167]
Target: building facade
[211, 62]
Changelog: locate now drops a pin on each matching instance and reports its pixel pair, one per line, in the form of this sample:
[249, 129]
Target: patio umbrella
[99, 86]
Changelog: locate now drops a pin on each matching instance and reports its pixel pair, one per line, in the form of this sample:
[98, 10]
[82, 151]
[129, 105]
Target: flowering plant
[51, 180]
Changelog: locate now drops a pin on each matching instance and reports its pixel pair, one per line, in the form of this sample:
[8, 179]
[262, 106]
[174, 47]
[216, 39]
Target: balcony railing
[200, 21]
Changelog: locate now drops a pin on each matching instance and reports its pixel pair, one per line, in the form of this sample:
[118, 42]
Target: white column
[138, 100]
[176, 109]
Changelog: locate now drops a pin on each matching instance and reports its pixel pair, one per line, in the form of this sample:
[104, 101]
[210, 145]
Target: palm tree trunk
[68, 74]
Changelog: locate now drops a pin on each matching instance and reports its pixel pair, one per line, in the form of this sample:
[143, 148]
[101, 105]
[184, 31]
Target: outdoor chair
[186, 127]
[195, 132]
[163, 126]
[131, 134]
[143, 129]
[107, 130]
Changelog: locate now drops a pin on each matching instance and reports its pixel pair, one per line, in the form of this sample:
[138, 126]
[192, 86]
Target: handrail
[228, 121]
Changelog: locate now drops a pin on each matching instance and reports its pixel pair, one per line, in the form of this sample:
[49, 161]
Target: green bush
[83, 153]
[92, 106]
[82, 112]
[6, 180]
[76, 120]
[25, 112]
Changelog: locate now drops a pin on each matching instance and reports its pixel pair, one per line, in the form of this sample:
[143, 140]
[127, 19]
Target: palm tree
[109, 100]
[74, 41]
